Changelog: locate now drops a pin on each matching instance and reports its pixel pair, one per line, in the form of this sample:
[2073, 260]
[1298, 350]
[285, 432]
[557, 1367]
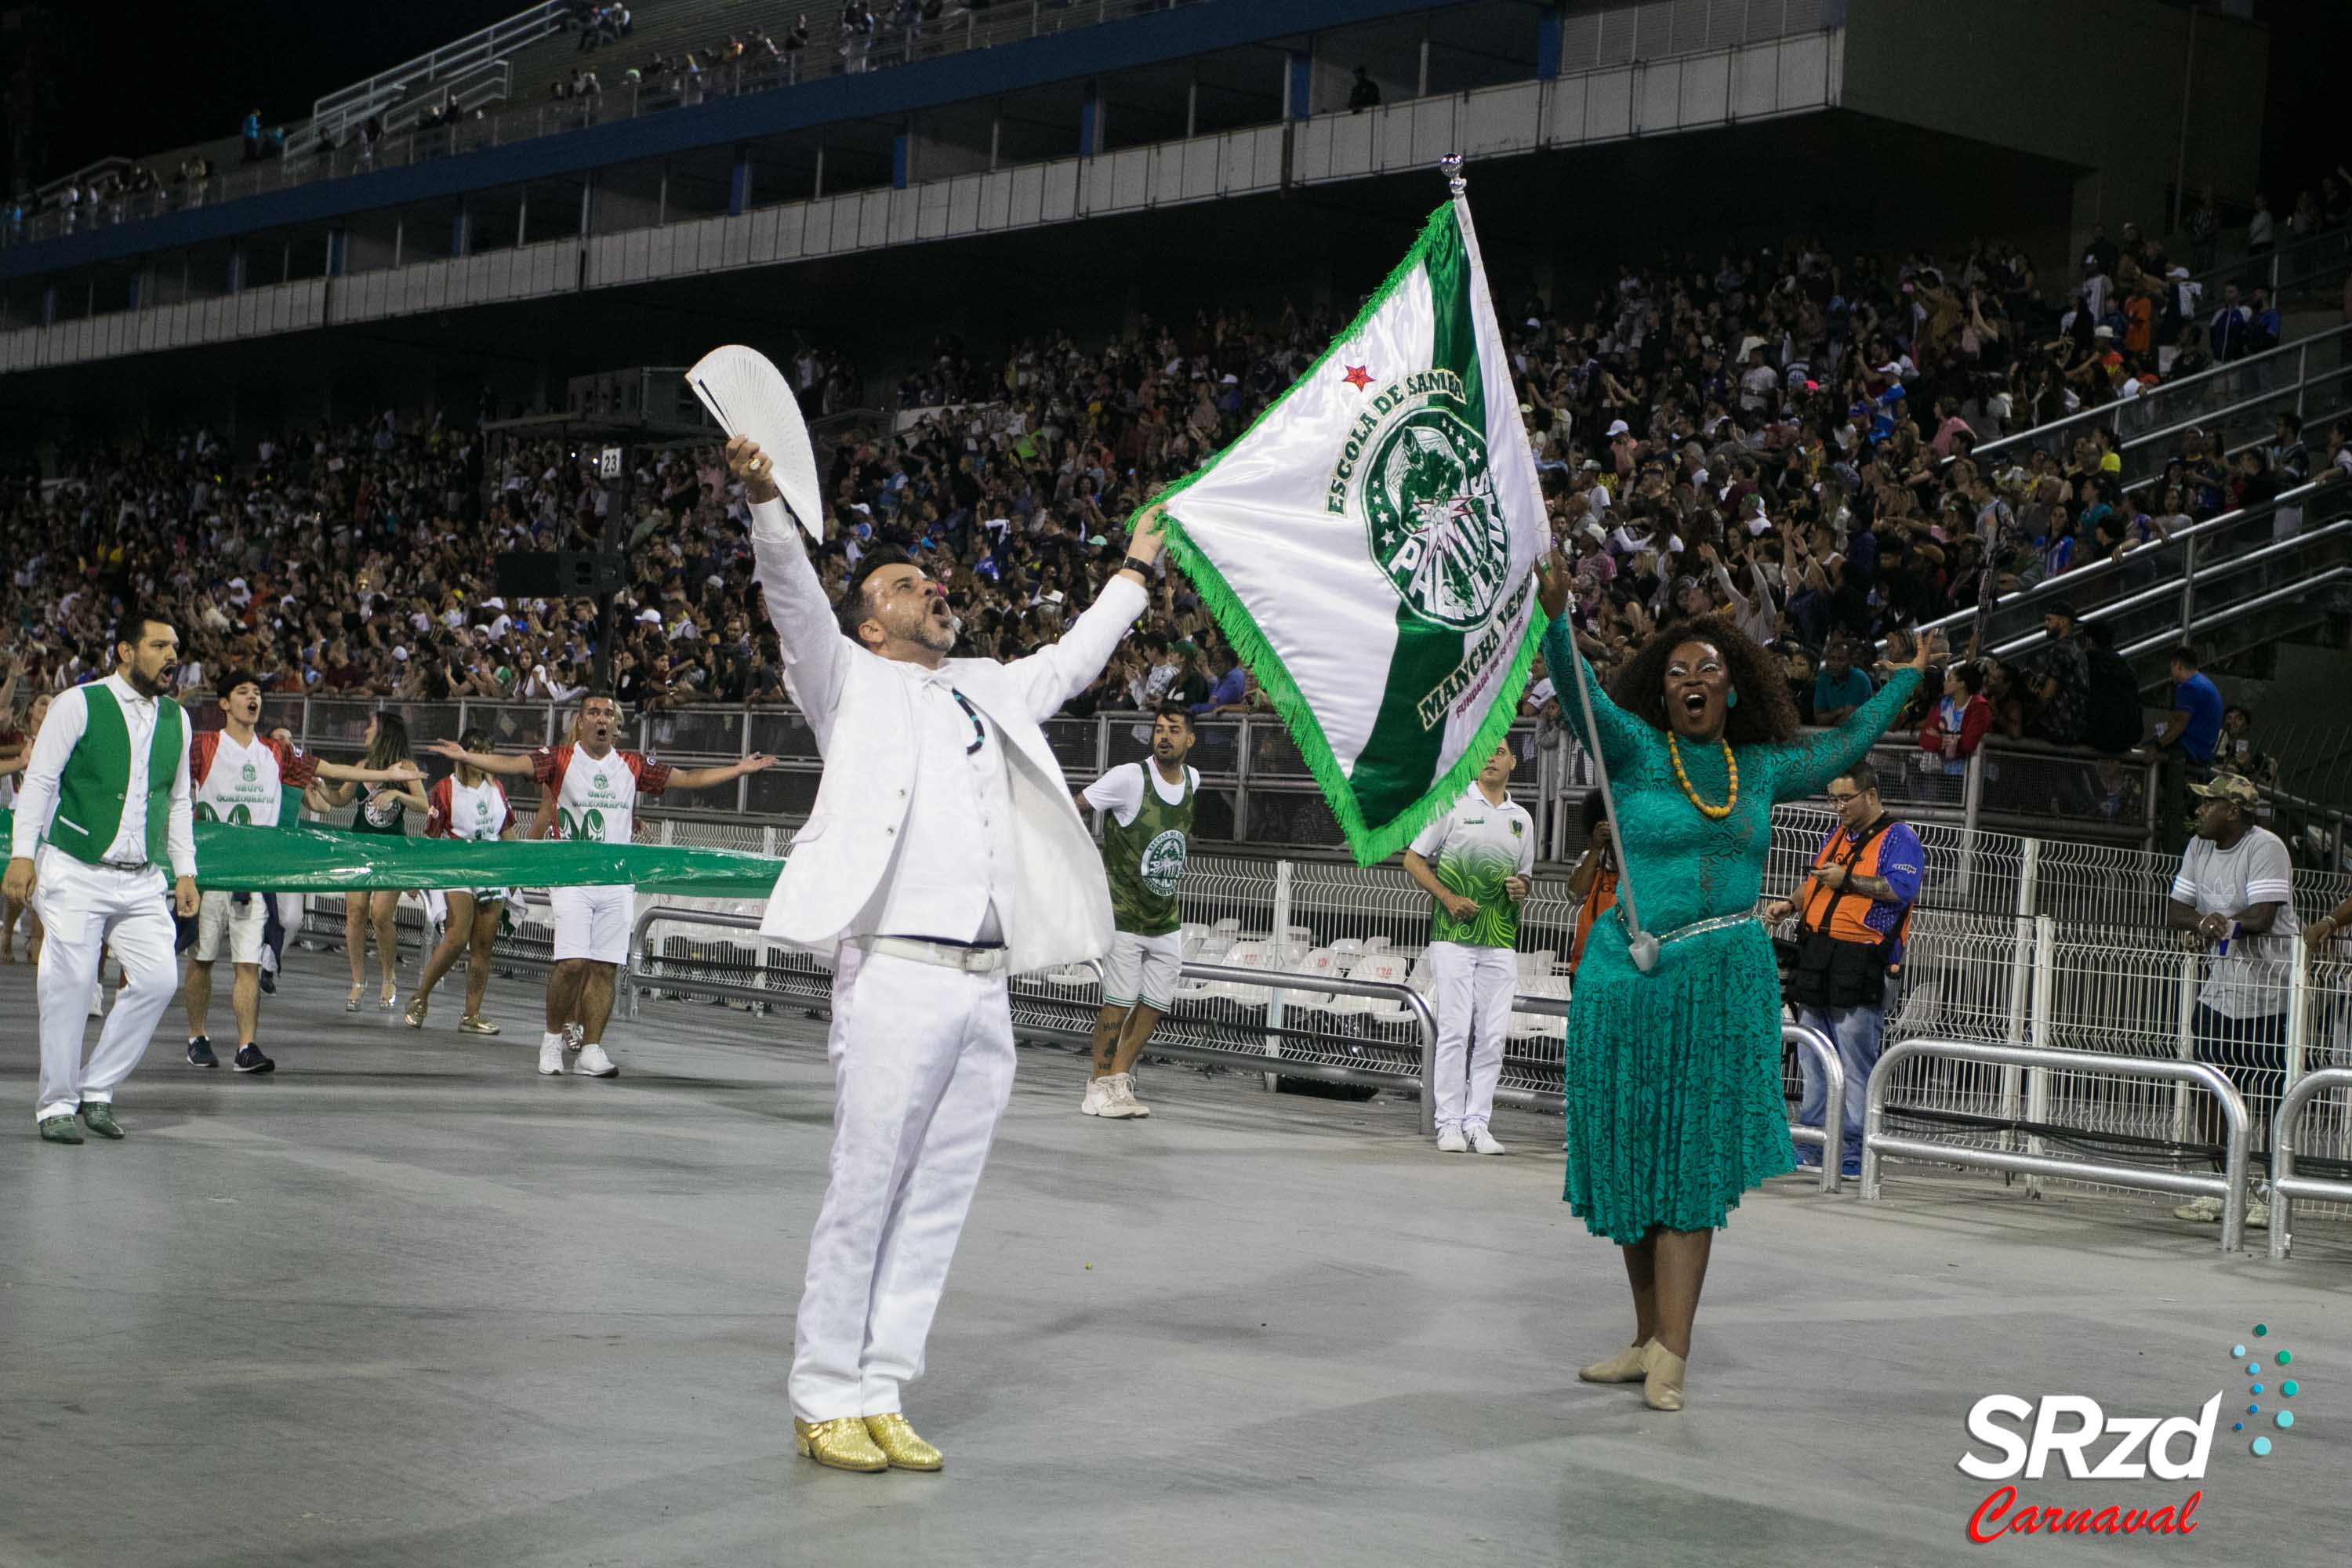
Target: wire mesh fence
[2016, 939]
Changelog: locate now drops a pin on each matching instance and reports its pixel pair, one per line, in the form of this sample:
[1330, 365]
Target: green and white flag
[1369, 545]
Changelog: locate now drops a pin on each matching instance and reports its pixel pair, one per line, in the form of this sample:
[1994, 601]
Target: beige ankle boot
[1662, 1382]
[1625, 1366]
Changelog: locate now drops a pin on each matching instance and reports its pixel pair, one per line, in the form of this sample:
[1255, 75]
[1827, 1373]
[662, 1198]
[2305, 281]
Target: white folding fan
[748, 396]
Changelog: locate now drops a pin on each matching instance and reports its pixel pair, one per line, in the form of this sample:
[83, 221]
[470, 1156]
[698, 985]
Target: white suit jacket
[862, 713]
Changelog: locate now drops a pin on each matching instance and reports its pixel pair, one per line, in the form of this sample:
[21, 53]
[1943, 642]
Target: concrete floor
[405, 1302]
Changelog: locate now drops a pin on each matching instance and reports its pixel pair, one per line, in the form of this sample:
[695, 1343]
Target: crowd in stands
[1784, 439]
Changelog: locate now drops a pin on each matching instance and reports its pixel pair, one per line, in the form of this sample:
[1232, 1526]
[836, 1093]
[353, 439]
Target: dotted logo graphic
[2282, 1418]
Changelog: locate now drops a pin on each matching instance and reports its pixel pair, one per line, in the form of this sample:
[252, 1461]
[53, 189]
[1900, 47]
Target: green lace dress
[1675, 1106]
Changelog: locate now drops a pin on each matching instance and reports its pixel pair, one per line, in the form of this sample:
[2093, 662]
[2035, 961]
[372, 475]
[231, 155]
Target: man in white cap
[942, 854]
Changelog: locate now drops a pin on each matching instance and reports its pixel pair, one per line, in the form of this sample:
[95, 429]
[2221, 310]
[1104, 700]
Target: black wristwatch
[1140, 568]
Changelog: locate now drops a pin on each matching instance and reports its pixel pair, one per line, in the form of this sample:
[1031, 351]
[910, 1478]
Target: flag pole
[1640, 945]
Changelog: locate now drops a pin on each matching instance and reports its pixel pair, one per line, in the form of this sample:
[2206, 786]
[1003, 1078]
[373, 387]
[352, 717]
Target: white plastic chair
[1386, 969]
[1541, 1026]
[1250, 953]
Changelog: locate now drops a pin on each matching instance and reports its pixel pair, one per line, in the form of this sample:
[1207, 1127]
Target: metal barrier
[1325, 985]
[1255, 789]
[2285, 1185]
[2230, 1186]
[1832, 1104]
[1796, 1035]
[635, 978]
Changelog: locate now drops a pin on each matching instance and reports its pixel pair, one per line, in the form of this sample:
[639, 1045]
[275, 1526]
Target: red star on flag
[1358, 377]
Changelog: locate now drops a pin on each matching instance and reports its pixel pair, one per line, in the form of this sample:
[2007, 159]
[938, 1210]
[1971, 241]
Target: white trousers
[1473, 991]
[84, 908]
[922, 1064]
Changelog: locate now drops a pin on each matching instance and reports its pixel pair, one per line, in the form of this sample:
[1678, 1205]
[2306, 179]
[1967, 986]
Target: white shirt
[62, 730]
[243, 783]
[467, 811]
[596, 797]
[953, 876]
[1121, 791]
[1482, 833]
[2246, 975]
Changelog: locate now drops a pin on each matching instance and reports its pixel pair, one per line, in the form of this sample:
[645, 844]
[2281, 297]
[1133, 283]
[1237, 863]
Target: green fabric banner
[311, 860]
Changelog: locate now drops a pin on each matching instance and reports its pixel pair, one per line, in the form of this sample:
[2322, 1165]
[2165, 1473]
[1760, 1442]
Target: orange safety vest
[1598, 900]
[1842, 916]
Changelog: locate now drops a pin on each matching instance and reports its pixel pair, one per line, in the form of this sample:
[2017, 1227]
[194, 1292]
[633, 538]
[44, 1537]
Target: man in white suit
[942, 856]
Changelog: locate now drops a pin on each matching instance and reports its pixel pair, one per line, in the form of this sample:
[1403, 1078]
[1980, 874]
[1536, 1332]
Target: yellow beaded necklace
[1731, 766]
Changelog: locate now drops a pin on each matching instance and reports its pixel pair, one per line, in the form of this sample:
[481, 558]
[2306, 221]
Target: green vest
[1144, 859]
[96, 780]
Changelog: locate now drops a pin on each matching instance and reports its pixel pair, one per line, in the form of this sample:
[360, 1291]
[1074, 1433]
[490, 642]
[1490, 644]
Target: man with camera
[1855, 906]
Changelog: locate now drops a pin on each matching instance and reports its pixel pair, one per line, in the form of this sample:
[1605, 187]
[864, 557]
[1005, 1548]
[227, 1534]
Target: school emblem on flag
[1369, 545]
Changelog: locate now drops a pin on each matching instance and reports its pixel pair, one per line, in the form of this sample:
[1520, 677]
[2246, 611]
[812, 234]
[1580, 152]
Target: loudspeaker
[559, 574]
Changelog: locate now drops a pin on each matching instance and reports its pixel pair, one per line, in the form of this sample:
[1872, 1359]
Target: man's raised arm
[815, 653]
[1059, 671]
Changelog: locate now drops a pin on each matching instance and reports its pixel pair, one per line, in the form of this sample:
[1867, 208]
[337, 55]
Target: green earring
[1731, 699]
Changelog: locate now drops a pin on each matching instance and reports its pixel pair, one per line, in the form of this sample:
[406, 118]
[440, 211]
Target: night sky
[141, 80]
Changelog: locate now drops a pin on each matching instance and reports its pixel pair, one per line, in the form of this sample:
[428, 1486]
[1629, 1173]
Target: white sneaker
[550, 1054]
[1451, 1142]
[1119, 1100]
[1097, 1096]
[1126, 1092]
[2204, 1211]
[595, 1063]
[97, 1001]
[2258, 1215]
[1485, 1142]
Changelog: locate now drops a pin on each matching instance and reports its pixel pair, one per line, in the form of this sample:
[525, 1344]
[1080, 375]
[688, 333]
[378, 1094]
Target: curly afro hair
[1763, 713]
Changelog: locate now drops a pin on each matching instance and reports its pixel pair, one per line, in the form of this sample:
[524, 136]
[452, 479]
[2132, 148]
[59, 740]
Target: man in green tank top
[106, 810]
[1147, 837]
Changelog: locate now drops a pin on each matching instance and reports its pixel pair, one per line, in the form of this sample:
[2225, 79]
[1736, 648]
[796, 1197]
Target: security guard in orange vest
[1856, 906]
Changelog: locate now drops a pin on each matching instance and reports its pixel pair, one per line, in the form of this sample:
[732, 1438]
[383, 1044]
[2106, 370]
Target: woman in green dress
[1674, 1099]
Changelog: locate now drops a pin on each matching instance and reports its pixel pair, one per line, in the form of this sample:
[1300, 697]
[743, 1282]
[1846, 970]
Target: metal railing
[639, 975]
[2285, 1185]
[2307, 265]
[2311, 378]
[312, 155]
[1256, 788]
[1829, 1136]
[2058, 948]
[461, 95]
[2230, 1185]
[2163, 592]
[336, 112]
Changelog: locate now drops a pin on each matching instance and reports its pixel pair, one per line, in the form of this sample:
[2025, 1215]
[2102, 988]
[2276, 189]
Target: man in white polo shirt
[1474, 863]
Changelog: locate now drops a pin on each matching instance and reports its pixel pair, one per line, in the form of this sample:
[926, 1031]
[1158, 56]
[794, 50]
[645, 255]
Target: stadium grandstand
[2006, 328]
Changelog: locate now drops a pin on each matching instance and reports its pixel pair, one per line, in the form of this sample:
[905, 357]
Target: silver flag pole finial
[1451, 164]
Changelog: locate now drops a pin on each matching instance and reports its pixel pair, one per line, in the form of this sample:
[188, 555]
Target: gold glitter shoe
[475, 1024]
[1625, 1366]
[1661, 1385]
[841, 1444]
[898, 1443]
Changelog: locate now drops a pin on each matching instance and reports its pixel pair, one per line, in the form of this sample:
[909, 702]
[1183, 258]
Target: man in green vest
[1147, 837]
[106, 808]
